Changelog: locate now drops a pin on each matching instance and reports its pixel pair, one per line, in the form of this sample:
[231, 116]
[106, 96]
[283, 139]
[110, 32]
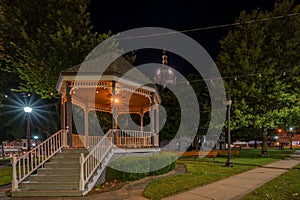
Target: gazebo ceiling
[102, 99]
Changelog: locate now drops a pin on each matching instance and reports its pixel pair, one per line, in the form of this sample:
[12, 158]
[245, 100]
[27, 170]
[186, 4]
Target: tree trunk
[255, 143]
[264, 149]
[196, 143]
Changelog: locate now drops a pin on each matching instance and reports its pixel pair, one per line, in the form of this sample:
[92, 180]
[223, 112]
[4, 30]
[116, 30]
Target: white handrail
[90, 163]
[32, 160]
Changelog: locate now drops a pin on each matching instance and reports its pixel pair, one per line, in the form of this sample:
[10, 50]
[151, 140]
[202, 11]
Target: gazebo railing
[121, 138]
[136, 139]
[82, 141]
[32, 160]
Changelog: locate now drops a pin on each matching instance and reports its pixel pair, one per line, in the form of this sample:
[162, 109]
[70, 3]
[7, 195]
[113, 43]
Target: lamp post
[228, 162]
[291, 139]
[28, 111]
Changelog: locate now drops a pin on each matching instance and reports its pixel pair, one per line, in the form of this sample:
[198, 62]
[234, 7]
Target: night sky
[174, 14]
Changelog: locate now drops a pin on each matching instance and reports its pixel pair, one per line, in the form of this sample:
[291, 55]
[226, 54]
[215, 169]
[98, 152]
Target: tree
[261, 59]
[43, 37]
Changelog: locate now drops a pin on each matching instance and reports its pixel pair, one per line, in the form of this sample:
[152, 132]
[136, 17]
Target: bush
[165, 159]
[135, 168]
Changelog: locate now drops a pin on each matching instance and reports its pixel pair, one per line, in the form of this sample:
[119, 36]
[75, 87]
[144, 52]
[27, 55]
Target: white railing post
[14, 180]
[81, 181]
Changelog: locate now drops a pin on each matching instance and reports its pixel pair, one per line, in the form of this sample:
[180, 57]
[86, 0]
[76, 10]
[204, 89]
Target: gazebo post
[142, 120]
[157, 126]
[69, 113]
[63, 114]
[86, 125]
[141, 135]
[114, 114]
[152, 117]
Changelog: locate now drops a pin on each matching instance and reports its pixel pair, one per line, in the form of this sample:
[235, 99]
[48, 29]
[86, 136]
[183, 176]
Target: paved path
[239, 185]
[231, 188]
[133, 190]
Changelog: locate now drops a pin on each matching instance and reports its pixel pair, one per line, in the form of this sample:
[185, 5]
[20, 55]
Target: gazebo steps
[59, 171]
[55, 165]
[50, 178]
[59, 177]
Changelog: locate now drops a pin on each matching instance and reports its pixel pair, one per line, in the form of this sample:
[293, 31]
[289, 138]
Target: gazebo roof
[119, 69]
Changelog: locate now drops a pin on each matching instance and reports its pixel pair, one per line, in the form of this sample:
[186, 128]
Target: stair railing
[90, 163]
[32, 160]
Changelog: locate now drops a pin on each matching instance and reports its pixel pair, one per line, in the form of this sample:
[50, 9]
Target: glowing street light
[28, 110]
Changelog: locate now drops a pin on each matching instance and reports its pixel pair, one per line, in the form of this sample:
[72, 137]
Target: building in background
[17, 147]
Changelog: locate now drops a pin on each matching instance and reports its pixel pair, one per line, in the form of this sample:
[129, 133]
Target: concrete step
[47, 193]
[75, 150]
[52, 178]
[75, 165]
[50, 185]
[59, 171]
[68, 155]
[64, 159]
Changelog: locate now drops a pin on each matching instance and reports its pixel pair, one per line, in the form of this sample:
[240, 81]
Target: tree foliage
[261, 57]
[43, 37]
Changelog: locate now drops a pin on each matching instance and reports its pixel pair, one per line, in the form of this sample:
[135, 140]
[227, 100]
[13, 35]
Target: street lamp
[28, 111]
[291, 139]
[228, 162]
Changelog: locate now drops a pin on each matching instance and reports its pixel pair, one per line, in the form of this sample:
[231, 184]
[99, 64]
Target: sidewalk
[234, 187]
[239, 185]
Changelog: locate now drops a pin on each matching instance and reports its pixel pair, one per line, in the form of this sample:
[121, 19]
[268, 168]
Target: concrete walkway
[239, 185]
[234, 187]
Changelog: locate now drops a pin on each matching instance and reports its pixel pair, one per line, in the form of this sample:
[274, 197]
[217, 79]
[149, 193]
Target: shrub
[134, 168]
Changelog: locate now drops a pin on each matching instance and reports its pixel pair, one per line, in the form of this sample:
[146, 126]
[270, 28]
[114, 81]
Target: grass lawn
[286, 186]
[5, 175]
[3, 161]
[204, 171]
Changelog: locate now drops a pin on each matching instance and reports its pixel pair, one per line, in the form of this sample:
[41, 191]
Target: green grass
[5, 175]
[4, 161]
[286, 186]
[204, 171]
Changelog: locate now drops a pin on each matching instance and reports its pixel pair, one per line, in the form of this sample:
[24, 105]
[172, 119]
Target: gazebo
[119, 90]
[70, 162]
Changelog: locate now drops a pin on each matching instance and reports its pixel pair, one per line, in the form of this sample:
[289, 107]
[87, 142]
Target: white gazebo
[118, 90]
